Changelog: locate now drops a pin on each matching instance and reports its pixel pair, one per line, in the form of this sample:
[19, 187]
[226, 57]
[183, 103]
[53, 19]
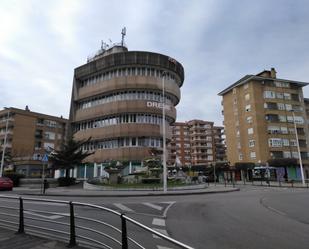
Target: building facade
[29, 136]
[117, 100]
[258, 118]
[196, 142]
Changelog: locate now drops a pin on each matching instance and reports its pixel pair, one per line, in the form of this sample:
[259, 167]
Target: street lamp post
[299, 154]
[164, 135]
[215, 176]
[4, 143]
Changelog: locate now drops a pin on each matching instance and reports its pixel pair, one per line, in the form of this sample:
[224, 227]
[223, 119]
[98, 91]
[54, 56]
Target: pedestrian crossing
[123, 207]
[157, 209]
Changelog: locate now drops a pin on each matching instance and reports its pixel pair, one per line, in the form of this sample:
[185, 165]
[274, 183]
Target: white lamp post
[4, 143]
[299, 154]
[164, 136]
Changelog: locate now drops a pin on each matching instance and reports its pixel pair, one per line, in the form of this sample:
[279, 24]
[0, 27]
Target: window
[285, 142]
[246, 86]
[49, 135]
[295, 154]
[247, 97]
[238, 145]
[240, 156]
[234, 91]
[290, 119]
[293, 142]
[279, 95]
[286, 154]
[288, 107]
[284, 130]
[275, 142]
[282, 118]
[273, 129]
[280, 106]
[252, 155]
[287, 95]
[38, 145]
[248, 108]
[47, 146]
[250, 131]
[249, 119]
[251, 143]
[282, 84]
[299, 120]
[269, 95]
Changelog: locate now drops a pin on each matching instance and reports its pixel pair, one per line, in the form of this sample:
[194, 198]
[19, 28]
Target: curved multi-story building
[117, 100]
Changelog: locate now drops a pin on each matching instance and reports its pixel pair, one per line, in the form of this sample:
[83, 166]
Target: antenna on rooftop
[123, 33]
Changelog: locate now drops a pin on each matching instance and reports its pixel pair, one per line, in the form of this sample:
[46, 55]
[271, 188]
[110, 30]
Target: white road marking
[123, 207]
[51, 217]
[163, 247]
[153, 206]
[276, 210]
[158, 222]
[163, 231]
[167, 208]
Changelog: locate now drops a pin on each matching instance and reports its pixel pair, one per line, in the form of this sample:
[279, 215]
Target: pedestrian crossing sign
[45, 158]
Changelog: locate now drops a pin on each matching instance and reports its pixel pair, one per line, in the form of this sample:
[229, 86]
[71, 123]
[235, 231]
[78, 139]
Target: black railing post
[124, 234]
[72, 226]
[21, 228]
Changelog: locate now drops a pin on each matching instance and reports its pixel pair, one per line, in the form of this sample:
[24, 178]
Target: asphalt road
[254, 217]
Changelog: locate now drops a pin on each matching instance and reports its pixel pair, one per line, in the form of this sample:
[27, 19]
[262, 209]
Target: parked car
[6, 183]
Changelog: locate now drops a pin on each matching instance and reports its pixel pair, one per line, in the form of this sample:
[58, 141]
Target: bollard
[292, 183]
[124, 234]
[280, 183]
[224, 182]
[72, 242]
[21, 216]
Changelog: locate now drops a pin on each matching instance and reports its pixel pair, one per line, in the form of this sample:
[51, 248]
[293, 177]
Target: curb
[135, 195]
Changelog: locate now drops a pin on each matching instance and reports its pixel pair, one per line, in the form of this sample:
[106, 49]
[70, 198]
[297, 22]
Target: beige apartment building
[258, 118]
[306, 100]
[196, 142]
[29, 135]
[117, 100]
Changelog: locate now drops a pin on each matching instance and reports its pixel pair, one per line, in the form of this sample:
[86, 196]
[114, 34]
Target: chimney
[273, 73]
[27, 108]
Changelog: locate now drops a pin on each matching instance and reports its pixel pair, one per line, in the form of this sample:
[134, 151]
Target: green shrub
[66, 181]
[150, 180]
[14, 177]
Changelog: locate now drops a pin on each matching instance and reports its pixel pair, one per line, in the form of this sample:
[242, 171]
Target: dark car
[6, 183]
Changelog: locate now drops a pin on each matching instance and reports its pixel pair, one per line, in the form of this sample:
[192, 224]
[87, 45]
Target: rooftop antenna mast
[123, 33]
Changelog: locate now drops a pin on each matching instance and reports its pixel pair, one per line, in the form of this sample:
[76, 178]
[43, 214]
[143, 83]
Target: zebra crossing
[155, 209]
[158, 210]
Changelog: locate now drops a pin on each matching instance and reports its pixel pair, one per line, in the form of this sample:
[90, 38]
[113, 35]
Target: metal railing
[117, 237]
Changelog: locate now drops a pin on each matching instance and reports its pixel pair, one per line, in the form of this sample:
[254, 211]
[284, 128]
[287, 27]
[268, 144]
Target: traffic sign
[45, 158]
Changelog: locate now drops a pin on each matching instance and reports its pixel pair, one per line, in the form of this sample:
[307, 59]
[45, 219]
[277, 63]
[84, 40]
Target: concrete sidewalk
[79, 192]
[10, 240]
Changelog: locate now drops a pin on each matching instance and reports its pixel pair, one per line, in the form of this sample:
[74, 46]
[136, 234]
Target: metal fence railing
[92, 228]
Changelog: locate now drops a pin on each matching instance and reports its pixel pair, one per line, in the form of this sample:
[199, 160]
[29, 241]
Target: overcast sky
[217, 42]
